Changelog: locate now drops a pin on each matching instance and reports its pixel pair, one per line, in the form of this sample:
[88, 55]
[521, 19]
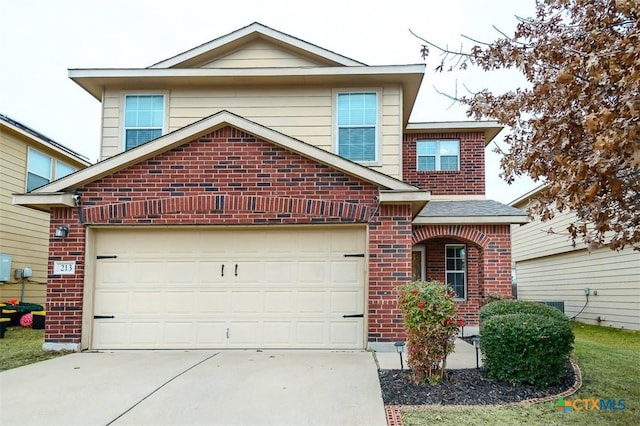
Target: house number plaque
[64, 268]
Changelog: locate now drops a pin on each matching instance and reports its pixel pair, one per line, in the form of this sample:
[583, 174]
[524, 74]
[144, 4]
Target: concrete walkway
[464, 356]
[195, 388]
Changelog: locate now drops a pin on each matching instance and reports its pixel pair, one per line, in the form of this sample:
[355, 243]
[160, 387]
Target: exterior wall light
[61, 231]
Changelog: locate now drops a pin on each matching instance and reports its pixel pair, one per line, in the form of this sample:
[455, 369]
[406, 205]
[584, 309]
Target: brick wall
[65, 292]
[469, 180]
[389, 266]
[231, 177]
[488, 260]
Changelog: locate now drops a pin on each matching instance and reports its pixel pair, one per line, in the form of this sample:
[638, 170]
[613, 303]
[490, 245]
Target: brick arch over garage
[463, 232]
[208, 205]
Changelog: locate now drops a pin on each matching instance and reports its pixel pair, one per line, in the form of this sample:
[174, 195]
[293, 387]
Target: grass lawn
[22, 346]
[610, 363]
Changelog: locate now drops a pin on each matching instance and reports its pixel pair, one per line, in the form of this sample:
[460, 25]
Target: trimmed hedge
[525, 347]
[504, 307]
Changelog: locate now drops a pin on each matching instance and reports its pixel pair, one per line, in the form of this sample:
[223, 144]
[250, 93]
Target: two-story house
[259, 191]
[28, 160]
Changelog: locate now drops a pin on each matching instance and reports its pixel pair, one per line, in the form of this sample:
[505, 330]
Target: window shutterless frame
[438, 155]
[357, 125]
[143, 118]
[418, 263]
[456, 269]
[42, 169]
[39, 169]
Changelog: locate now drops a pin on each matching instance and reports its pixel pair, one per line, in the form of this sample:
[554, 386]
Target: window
[40, 169]
[63, 169]
[456, 267]
[143, 119]
[357, 118]
[418, 263]
[438, 155]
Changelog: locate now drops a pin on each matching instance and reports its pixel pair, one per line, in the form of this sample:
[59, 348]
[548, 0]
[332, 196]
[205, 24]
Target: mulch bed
[464, 387]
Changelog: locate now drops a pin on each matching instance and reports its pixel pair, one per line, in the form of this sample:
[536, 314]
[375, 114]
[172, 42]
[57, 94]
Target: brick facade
[488, 260]
[230, 177]
[389, 267]
[469, 180]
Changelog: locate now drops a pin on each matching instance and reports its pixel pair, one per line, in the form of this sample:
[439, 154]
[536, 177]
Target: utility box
[5, 267]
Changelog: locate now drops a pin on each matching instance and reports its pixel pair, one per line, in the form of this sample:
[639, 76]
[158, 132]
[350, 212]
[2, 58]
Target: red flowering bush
[26, 320]
[431, 320]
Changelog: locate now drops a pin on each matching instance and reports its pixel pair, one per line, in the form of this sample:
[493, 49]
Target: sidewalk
[463, 356]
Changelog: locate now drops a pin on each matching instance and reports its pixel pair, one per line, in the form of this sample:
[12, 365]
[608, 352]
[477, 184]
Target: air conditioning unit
[555, 304]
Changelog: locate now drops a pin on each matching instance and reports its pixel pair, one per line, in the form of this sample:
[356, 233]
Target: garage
[229, 287]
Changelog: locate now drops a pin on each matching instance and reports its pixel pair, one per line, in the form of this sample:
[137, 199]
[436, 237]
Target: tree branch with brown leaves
[576, 126]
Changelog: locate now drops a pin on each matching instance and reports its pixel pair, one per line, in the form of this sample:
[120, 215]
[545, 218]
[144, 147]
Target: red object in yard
[26, 320]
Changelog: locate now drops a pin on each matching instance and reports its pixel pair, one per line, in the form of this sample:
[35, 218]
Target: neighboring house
[259, 191]
[550, 267]
[28, 160]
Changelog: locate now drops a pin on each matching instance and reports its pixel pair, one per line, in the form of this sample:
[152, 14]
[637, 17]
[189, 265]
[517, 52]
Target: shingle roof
[469, 208]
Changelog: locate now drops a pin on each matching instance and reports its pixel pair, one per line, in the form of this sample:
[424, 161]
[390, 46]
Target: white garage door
[229, 288]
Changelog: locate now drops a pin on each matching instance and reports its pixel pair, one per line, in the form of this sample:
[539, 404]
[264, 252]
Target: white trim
[400, 196]
[423, 259]
[491, 129]
[214, 122]
[469, 220]
[43, 201]
[378, 126]
[94, 80]
[115, 73]
[446, 270]
[527, 196]
[123, 111]
[252, 31]
[446, 197]
[51, 169]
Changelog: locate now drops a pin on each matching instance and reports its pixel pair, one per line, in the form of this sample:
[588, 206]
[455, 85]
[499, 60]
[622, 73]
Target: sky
[41, 39]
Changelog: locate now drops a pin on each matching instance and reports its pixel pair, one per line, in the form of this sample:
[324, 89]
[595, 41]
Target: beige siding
[260, 54]
[111, 106]
[535, 239]
[23, 231]
[614, 276]
[305, 113]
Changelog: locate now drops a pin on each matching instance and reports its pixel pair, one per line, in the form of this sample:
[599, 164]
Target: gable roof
[188, 69]
[58, 193]
[41, 139]
[229, 42]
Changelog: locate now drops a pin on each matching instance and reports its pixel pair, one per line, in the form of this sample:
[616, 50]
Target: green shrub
[505, 306]
[526, 348]
[430, 318]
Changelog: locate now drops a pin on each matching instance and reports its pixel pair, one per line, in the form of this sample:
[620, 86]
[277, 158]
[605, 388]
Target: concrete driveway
[195, 388]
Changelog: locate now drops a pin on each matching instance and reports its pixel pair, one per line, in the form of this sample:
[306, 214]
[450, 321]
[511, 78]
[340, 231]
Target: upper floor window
[357, 122]
[143, 119]
[438, 155]
[62, 169]
[456, 269]
[40, 169]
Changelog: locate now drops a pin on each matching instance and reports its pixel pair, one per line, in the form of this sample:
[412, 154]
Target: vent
[556, 304]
